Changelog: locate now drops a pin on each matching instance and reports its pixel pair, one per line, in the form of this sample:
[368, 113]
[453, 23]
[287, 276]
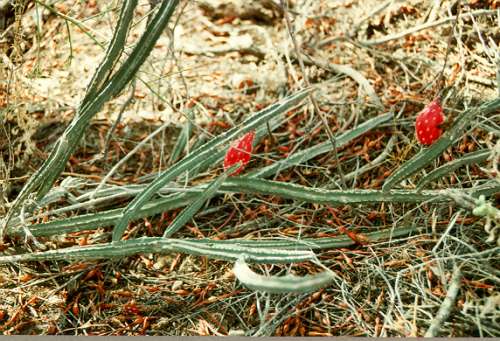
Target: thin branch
[329, 132]
[448, 303]
[118, 119]
[422, 27]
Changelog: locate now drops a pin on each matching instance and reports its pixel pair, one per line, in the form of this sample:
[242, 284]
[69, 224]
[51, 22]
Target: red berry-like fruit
[427, 125]
[239, 151]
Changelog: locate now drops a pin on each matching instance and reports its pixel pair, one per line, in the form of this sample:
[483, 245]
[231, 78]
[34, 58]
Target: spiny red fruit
[427, 125]
[239, 151]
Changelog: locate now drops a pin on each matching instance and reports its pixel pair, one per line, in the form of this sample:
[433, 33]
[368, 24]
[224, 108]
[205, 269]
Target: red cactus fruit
[427, 125]
[239, 151]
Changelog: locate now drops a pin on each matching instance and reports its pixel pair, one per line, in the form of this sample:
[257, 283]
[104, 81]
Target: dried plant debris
[340, 223]
[266, 12]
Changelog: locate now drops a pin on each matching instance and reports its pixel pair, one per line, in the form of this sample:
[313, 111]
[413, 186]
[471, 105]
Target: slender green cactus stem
[427, 155]
[279, 284]
[192, 160]
[45, 176]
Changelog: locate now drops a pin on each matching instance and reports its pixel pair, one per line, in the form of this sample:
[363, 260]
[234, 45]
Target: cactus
[426, 156]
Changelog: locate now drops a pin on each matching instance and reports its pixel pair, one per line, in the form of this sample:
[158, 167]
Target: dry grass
[227, 62]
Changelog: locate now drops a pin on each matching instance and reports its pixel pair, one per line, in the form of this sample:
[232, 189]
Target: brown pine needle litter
[340, 223]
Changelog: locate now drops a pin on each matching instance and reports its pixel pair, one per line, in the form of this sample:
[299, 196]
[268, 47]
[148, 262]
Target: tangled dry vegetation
[223, 60]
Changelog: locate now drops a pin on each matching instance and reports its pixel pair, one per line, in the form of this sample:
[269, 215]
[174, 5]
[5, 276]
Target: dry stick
[374, 12]
[440, 77]
[351, 35]
[350, 72]
[445, 309]
[498, 69]
[152, 5]
[19, 7]
[495, 59]
[118, 119]
[127, 157]
[432, 14]
[177, 63]
[284, 4]
[172, 48]
[374, 163]
[422, 27]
